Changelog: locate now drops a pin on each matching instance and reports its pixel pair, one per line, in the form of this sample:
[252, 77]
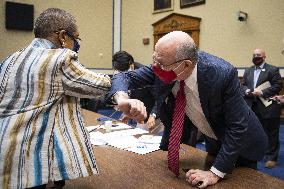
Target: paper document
[264, 85]
[93, 127]
[97, 138]
[142, 148]
[120, 126]
[125, 140]
[124, 133]
[150, 139]
[132, 144]
[261, 87]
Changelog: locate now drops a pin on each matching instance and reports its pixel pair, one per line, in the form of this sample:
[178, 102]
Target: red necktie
[176, 130]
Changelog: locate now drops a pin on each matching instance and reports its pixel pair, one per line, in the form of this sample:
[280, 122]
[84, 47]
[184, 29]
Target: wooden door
[177, 22]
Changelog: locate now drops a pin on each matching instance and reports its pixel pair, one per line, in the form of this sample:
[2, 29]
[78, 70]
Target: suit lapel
[203, 88]
[250, 78]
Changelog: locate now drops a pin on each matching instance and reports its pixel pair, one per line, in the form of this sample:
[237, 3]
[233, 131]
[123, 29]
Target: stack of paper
[125, 140]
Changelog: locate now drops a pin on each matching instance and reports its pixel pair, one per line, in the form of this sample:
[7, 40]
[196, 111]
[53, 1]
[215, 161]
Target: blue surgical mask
[76, 46]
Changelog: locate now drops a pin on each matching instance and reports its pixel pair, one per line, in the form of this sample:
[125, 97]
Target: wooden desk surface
[121, 169]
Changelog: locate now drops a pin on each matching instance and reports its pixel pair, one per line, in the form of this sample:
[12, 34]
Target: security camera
[242, 16]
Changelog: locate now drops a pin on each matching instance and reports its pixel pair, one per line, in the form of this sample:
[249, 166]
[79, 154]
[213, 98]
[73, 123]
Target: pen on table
[94, 128]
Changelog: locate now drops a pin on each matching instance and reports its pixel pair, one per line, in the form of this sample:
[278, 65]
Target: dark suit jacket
[230, 118]
[270, 73]
[147, 96]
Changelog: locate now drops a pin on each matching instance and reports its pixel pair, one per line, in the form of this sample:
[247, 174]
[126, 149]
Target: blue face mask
[76, 46]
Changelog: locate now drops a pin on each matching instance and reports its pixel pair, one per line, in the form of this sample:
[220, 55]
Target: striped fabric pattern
[42, 134]
[176, 130]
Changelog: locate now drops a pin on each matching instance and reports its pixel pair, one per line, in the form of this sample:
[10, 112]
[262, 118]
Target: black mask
[257, 60]
[76, 46]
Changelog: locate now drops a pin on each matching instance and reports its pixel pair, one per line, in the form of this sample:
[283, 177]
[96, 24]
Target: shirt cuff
[118, 95]
[217, 172]
[153, 115]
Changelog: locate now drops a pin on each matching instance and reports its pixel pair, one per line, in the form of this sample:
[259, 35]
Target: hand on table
[200, 178]
[151, 122]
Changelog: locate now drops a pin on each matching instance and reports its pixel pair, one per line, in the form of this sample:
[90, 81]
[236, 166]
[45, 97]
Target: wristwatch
[153, 115]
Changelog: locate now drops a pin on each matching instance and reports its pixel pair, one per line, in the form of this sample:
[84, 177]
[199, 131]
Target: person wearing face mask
[269, 116]
[196, 90]
[123, 61]
[42, 135]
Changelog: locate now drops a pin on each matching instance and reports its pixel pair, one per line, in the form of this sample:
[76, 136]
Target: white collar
[191, 81]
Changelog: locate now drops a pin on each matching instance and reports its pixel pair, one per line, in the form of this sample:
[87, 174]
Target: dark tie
[257, 68]
[176, 130]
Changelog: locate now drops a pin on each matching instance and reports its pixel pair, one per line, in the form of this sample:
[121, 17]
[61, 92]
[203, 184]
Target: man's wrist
[217, 172]
[120, 95]
[247, 91]
[153, 115]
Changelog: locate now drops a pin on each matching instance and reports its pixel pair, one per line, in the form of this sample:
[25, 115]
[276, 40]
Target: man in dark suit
[269, 116]
[195, 90]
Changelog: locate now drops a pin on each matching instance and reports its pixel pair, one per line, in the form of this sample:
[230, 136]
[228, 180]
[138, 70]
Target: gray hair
[187, 50]
[52, 20]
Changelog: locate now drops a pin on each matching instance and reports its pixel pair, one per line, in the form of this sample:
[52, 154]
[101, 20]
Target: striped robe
[42, 134]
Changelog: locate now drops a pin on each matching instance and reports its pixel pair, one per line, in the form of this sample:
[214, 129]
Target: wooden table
[121, 169]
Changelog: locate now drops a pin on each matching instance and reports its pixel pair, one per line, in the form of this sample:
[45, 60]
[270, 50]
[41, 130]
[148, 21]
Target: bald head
[174, 39]
[176, 45]
[258, 57]
[259, 53]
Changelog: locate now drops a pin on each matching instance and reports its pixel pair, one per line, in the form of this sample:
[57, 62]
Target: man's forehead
[258, 51]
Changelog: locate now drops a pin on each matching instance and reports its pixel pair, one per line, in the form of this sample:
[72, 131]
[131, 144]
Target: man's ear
[131, 66]
[188, 63]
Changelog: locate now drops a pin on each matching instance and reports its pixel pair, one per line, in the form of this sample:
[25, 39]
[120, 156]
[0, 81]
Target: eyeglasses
[167, 67]
[70, 35]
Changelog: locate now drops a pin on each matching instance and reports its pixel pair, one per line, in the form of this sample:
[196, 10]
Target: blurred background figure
[122, 62]
[258, 75]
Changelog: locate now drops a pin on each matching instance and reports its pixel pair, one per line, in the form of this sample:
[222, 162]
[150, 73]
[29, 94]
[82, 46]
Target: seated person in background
[123, 61]
[43, 137]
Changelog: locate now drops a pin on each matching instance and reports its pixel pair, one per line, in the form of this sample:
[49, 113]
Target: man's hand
[248, 93]
[151, 122]
[278, 99]
[257, 92]
[133, 109]
[200, 178]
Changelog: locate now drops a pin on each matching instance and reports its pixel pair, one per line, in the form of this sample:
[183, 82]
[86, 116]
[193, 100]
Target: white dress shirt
[194, 110]
[256, 74]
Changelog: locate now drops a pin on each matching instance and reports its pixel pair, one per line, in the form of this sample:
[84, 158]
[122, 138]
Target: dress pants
[271, 127]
